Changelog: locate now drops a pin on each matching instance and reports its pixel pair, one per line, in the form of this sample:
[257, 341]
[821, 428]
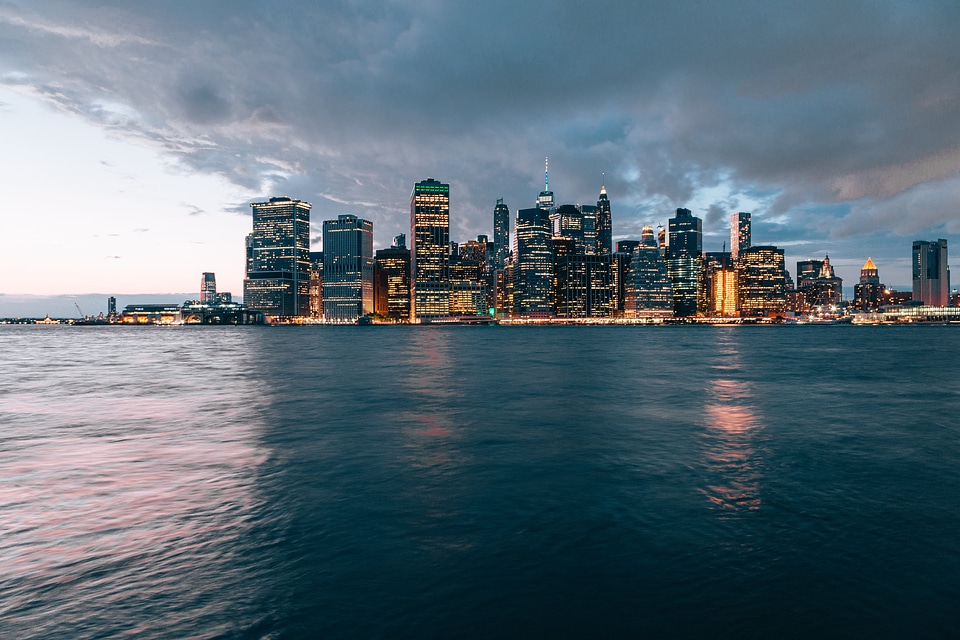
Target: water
[254, 482]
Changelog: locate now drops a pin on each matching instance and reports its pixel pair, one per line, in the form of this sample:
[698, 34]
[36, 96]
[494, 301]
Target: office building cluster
[556, 261]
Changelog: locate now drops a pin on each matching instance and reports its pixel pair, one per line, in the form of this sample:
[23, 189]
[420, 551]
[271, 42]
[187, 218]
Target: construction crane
[78, 310]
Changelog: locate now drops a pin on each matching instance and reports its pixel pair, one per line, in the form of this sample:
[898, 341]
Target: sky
[135, 133]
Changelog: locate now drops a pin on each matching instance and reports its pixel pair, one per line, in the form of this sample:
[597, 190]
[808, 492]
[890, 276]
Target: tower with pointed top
[545, 199]
[868, 294]
[501, 234]
[604, 223]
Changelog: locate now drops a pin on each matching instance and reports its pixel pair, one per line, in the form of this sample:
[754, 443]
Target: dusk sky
[136, 133]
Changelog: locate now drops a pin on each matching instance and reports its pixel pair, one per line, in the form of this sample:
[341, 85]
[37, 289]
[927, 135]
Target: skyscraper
[868, 293]
[604, 226]
[648, 291]
[430, 248]
[683, 260]
[395, 262]
[347, 268]
[533, 263]
[819, 283]
[278, 258]
[739, 233]
[762, 281]
[931, 273]
[208, 288]
[501, 234]
[545, 199]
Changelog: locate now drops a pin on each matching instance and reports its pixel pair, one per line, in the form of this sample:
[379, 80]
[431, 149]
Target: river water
[288, 482]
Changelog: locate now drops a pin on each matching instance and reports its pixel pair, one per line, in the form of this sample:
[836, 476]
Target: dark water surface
[253, 482]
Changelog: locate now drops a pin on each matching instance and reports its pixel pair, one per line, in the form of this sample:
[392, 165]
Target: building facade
[762, 281]
[648, 291]
[683, 260]
[278, 258]
[533, 263]
[931, 273]
[604, 224]
[739, 233]
[501, 234]
[347, 268]
[395, 263]
[430, 249]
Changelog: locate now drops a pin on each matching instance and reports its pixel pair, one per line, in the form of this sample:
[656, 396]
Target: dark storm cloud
[844, 116]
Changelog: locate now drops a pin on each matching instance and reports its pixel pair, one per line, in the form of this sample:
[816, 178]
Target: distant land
[92, 304]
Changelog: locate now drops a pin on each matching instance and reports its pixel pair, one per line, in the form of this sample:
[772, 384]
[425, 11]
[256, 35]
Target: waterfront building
[761, 281]
[931, 273]
[316, 284]
[648, 292]
[278, 258]
[868, 294]
[347, 268]
[739, 233]
[819, 283]
[582, 286]
[112, 308]
[395, 263]
[604, 224]
[718, 287]
[208, 288]
[533, 263]
[683, 260]
[430, 248]
[468, 298]
[619, 274]
[501, 234]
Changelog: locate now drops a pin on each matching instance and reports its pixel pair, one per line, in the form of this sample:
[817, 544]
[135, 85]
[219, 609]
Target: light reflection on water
[732, 425]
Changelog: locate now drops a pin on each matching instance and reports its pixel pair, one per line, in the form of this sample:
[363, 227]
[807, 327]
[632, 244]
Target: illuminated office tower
[430, 249]
[718, 274]
[501, 234]
[868, 294]
[931, 273]
[648, 291]
[604, 225]
[567, 221]
[739, 233]
[683, 260]
[316, 284]
[395, 262]
[208, 288]
[278, 258]
[533, 263]
[347, 268]
[762, 281]
[819, 283]
[545, 199]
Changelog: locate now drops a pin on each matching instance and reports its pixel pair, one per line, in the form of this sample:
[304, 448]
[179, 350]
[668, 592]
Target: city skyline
[143, 135]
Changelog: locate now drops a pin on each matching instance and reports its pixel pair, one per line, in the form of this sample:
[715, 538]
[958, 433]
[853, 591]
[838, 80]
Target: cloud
[845, 117]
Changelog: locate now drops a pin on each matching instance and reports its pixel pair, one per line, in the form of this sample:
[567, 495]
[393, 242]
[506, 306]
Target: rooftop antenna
[603, 182]
[546, 173]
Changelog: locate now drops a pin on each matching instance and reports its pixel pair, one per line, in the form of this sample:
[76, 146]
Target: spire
[546, 173]
[869, 265]
[603, 183]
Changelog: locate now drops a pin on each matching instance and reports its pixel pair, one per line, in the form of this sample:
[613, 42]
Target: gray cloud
[841, 120]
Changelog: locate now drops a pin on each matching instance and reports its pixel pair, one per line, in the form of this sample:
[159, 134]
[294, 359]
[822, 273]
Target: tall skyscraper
[762, 281]
[683, 260]
[545, 199]
[395, 262]
[567, 221]
[868, 294]
[278, 258]
[931, 273]
[347, 268]
[648, 291]
[430, 248]
[533, 263]
[316, 284]
[739, 233]
[208, 288]
[501, 234]
[604, 223]
[819, 283]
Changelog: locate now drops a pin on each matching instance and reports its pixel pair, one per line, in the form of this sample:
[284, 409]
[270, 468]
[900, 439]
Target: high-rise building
[278, 258]
[604, 225]
[545, 199]
[683, 260]
[316, 284]
[347, 268]
[868, 293]
[718, 287]
[819, 283]
[739, 233]
[931, 273]
[567, 221]
[112, 308]
[395, 262]
[648, 291]
[208, 288]
[762, 281]
[430, 248]
[501, 234]
[533, 263]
